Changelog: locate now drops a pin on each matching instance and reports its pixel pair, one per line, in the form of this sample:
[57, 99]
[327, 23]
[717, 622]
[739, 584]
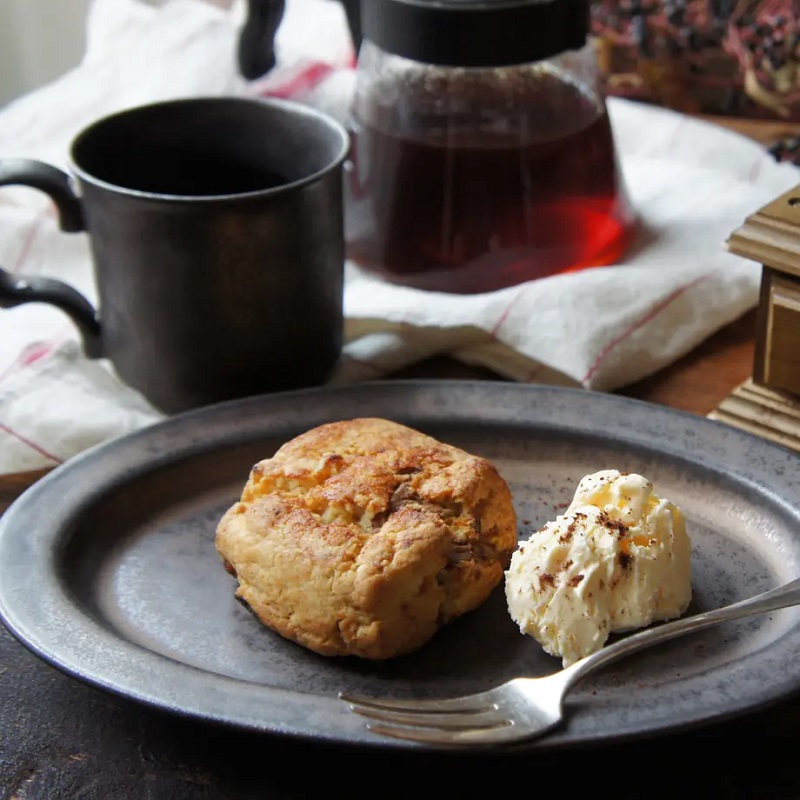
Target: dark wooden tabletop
[60, 738]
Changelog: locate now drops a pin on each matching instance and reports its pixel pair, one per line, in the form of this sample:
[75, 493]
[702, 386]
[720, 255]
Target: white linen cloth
[691, 182]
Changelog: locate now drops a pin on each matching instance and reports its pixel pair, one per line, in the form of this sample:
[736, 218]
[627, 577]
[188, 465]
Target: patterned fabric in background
[733, 57]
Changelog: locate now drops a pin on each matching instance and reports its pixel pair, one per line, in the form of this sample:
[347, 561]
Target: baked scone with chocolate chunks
[364, 537]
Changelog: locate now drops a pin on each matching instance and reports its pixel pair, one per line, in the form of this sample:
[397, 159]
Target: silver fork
[524, 708]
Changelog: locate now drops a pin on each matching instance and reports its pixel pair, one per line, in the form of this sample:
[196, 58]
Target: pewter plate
[108, 569]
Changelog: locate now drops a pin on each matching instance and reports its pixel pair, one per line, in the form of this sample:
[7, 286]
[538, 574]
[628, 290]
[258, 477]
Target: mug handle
[14, 290]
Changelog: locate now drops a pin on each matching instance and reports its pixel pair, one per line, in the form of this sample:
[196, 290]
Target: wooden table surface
[61, 739]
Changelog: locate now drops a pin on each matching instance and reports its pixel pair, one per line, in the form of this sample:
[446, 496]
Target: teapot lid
[476, 33]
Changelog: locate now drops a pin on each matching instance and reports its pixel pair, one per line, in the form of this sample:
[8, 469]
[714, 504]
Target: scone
[364, 537]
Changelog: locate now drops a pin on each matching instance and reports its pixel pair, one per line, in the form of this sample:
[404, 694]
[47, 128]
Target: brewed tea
[491, 202]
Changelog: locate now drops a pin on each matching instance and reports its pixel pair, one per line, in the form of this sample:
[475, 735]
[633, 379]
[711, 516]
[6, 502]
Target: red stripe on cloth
[304, 81]
[34, 352]
[30, 238]
[504, 316]
[30, 355]
[19, 437]
[648, 317]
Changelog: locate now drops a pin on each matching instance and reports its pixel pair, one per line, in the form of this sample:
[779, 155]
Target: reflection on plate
[108, 569]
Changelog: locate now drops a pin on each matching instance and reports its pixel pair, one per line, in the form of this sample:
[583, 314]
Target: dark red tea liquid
[464, 209]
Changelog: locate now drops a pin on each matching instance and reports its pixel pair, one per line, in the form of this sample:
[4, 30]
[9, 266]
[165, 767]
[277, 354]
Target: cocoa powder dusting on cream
[612, 525]
[546, 579]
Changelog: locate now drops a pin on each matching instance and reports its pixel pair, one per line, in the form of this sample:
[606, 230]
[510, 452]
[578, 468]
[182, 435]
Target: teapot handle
[353, 10]
[256, 54]
[257, 37]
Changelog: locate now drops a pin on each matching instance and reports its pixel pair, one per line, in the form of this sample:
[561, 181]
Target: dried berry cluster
[717, 56]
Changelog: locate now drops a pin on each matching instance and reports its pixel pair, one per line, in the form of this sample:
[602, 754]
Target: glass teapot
[482, 155]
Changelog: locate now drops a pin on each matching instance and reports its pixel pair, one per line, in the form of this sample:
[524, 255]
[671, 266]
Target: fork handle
[781, 597]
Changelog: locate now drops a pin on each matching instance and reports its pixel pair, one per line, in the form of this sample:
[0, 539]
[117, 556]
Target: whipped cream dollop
[619, 558]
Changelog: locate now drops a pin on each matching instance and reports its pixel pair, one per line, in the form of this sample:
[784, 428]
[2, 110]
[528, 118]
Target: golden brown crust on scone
[364, 537]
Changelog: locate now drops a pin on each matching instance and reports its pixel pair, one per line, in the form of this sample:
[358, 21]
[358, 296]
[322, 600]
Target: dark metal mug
[216, 231]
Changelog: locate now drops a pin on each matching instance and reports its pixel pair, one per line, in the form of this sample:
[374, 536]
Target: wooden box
[769, 403]
[772, 237]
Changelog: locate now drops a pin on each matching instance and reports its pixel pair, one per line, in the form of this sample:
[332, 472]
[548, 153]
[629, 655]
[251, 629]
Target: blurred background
[728, 57]
[39, 40]
[42, 39]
